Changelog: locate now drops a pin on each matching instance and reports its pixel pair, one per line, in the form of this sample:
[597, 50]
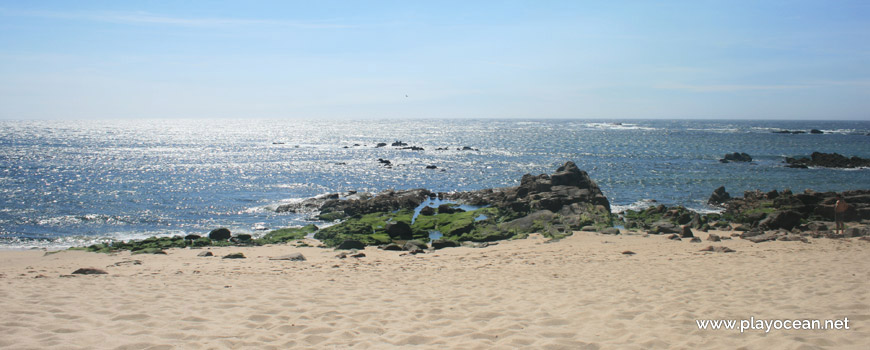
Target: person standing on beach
[840, 210]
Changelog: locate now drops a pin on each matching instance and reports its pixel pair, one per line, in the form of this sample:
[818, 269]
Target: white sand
[579, 293]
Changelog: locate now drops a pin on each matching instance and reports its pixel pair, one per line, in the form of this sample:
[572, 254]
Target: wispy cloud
[730, 87]
[146, 18]
[761, 87]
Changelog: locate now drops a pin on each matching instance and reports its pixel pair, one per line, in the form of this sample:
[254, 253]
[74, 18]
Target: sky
[695, 59]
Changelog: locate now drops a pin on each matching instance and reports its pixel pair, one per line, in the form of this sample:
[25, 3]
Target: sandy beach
[578, 293]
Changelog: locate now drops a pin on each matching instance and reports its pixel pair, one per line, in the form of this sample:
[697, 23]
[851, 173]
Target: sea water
[67, 183]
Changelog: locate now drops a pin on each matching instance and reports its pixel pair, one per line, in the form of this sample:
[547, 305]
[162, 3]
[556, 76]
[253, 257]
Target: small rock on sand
[290, 257]
[89, 271]
[719, 249]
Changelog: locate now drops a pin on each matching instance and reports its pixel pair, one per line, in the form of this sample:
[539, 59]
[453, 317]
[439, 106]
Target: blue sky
[464, 59]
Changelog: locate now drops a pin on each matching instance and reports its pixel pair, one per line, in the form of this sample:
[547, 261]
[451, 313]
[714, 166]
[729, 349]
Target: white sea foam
[636, 206]
[617, 126]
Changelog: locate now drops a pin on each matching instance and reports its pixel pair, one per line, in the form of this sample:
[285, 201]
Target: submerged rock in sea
[736, 157]
[828, 160]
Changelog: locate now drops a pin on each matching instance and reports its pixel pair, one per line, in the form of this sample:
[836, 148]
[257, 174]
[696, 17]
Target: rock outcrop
[719, 196]
[736, 157]
[828, 160]
[389, 200]
[553, 205]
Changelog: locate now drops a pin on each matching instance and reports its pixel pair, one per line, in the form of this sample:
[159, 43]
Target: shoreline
[577, 292]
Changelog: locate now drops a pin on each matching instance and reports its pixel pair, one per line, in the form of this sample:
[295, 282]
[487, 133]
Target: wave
[617, 126]
[716, 130]
[636, 206]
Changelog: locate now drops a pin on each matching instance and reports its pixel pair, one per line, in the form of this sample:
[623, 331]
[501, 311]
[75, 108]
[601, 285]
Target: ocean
[71, 183]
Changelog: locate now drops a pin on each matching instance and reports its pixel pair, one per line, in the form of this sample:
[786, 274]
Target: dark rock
[431, 167]
[414, 148]
[414, 245]
[828, 160]
[674, 237]
[307, 205]
[385, 162]
[89, 271]
[427, 211]
[737, 157]
[442, 243]
[220, 234]
[719, 196]
[610, 231]
[628, 252]
[448, 209]
[351, 244]
[695, 240]
[714, 238]
[769, 236]
[741, 228]
[786, 219]
[816, 131]
[157, 251]
[398, 144]
[686, 232]
[792, 237]
[205, 254]
[856, 232]
[234, 256]
[386, 201]
[817, 226]
[392, 246]
[751, 233]
[467, 148]
[192, 237]
[290, 257]
[399, 230]
[661, 227]
[380, 144]
[242, 238]
[529, 223]
[719, 249]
